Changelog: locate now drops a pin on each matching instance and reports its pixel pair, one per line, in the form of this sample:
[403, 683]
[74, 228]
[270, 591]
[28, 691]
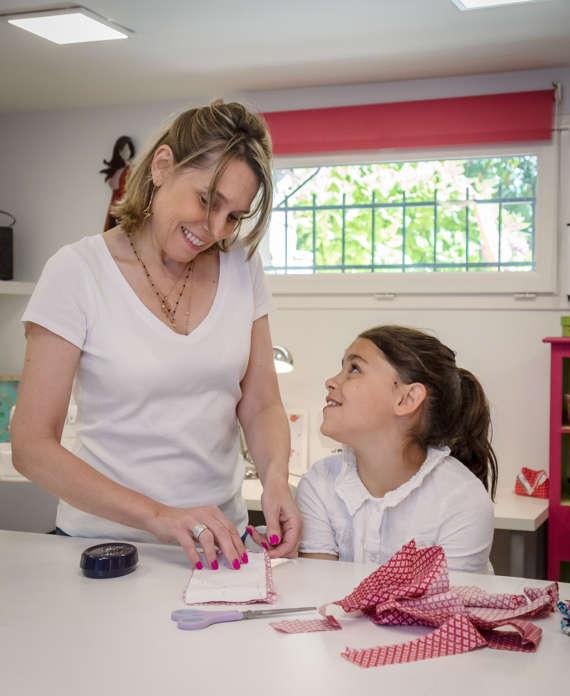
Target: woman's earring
[147, 212]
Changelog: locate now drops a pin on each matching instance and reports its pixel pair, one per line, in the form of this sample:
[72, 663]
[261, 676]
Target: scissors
[192, 619]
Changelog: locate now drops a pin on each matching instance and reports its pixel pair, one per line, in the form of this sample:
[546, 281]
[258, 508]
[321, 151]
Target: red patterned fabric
[531, 482]
[550, 590]
[525, 638]
[456, 635]
[413, 589]
[329, 623]
[489, 618]
[409, 573]
[476, 597]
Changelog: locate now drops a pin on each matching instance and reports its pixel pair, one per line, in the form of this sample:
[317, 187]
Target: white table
[62, 634]
[522, 516]
[519, 513]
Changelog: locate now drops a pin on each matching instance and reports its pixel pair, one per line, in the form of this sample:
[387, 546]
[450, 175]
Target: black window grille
[326, 221]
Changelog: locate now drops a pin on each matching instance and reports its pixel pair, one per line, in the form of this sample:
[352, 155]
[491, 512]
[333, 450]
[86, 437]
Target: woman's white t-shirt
[156, 409]
[442, 503]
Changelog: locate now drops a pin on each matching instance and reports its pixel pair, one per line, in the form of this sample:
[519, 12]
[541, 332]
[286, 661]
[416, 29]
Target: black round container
[109, 560]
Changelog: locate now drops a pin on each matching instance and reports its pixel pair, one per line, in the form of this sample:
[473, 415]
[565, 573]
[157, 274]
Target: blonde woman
[162, 323]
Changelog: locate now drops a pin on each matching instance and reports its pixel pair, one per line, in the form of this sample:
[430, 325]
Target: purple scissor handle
[192, 619]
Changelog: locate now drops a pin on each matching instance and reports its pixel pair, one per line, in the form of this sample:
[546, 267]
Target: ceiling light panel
[480, 4]
[76, 25]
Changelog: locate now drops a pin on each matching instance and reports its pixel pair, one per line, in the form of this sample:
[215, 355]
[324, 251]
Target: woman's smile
[193, 240]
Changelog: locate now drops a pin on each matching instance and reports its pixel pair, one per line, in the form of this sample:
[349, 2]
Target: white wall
[49, 180]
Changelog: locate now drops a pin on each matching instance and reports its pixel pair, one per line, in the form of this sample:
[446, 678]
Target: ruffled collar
[354, 493]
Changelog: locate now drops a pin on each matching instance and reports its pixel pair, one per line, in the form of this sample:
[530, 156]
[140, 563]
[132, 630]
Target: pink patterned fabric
[329, 623]
[412, 588]
[476, 597]
[409, 573]
[490, 618]
[536, 592]
[456, 635]
[525, 637]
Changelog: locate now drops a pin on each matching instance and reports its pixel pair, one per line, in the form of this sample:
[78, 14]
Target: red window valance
[490, 118]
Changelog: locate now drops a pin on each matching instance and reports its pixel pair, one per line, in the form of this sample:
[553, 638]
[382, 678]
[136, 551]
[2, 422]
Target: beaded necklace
[166, 308]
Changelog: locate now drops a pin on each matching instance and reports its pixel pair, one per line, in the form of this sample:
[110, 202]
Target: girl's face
[362, 398]
[180, 220]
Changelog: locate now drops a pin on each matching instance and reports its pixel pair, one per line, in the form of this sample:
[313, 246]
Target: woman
[162, 321]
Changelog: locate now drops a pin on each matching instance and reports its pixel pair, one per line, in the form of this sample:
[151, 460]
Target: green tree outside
[426, 216]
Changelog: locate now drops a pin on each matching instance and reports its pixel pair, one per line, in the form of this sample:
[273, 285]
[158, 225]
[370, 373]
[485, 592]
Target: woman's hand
[171, 524]
[283, 519]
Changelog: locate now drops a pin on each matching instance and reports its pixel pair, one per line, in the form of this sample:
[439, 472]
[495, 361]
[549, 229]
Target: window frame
[543, 280]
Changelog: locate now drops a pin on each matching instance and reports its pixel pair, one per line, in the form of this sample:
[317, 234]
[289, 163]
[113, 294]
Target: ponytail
[471, 444]
[455, 412]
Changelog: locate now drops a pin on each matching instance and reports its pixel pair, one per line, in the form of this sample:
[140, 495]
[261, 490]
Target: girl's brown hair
[455, 412]
[217, 133]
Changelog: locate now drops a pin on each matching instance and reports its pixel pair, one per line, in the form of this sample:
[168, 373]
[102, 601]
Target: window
[476, 221]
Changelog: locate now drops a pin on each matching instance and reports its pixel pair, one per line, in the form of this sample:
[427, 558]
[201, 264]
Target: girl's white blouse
[443, 503]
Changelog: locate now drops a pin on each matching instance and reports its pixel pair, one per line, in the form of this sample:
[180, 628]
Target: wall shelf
[16, 287]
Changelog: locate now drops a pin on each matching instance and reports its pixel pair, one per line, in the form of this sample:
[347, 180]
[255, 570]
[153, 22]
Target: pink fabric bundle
[412, 588]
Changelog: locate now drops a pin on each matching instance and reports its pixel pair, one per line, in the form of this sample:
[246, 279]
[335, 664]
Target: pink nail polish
[236, 564]
[249, 530]
[244, 558]
[274, 540]
[264, 545]
[214, 565]
[199, 565]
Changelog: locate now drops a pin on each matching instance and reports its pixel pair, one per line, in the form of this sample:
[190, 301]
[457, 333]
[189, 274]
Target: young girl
[417, 462]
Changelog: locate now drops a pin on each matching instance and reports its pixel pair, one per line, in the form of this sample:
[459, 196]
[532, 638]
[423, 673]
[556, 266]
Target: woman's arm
[43, 398]
[264, 422]
[49, 368]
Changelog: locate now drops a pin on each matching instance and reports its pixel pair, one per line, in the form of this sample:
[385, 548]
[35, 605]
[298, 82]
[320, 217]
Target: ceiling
[191, 49]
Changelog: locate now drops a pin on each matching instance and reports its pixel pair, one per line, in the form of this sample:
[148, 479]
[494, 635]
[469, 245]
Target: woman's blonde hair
[218, 132]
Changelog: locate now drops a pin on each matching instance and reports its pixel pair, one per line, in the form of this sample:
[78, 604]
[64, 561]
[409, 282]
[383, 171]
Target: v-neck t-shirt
[443, 503]
[156, 409]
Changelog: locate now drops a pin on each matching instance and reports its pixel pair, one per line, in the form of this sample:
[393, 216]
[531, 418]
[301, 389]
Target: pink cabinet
[559, 503]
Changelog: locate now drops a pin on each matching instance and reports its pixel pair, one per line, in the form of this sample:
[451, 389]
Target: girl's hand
[174, 525]
[283, 519]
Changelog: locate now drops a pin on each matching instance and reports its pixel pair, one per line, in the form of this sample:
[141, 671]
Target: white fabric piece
[156, 409]
[247, 584]
[443, 503]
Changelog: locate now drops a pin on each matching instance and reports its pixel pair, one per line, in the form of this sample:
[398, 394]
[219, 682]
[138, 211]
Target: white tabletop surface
[519, 512]
[62, 634]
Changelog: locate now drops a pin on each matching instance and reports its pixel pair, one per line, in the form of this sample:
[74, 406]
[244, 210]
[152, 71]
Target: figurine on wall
[116, 173]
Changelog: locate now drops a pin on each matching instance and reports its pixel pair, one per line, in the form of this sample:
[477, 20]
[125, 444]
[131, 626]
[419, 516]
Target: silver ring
[197, 529]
